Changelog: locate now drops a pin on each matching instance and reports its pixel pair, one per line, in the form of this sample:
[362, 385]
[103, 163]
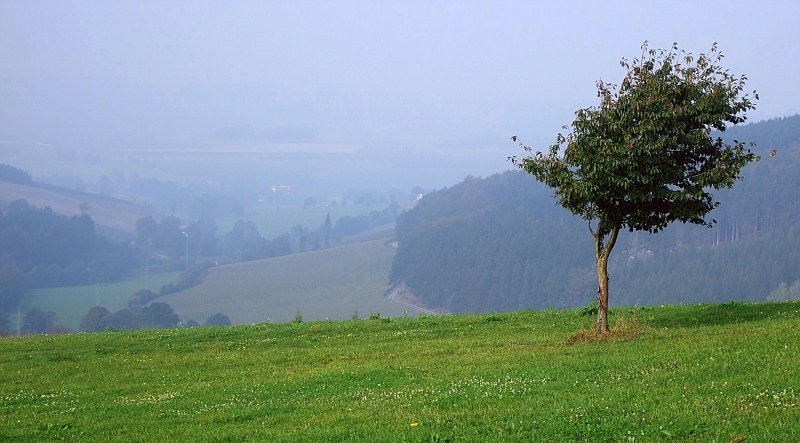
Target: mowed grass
[695, 373]
[332, 283]
[73, 302]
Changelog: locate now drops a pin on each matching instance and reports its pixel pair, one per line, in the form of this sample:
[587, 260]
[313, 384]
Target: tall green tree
[645, 156]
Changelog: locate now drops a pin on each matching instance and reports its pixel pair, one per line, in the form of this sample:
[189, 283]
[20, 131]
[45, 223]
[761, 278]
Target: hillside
[333, 283]
[502, 243]
[118, 215]
[695, 373]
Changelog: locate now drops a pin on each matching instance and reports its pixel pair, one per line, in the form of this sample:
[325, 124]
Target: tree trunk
[602, 295]
[602, 252]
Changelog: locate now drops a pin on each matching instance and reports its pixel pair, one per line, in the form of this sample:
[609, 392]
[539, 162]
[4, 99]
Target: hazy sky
[417, 75]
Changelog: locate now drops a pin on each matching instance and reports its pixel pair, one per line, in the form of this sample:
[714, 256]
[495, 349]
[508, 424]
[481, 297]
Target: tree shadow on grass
[722, 314]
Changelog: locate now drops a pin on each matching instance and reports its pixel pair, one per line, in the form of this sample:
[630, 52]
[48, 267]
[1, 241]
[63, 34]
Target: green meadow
[709, 373]
[335, 283]
[71, 303]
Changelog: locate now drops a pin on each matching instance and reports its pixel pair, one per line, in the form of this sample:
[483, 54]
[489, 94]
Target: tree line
[173, 238]
[40, 248]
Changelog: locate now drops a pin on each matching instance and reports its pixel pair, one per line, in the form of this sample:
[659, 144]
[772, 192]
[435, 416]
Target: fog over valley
[404, 83]
[213, 162]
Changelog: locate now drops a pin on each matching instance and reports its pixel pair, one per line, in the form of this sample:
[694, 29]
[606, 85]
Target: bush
[590, 309]
[218, 319]
[95, 319]
[158, 315]
[124, 319]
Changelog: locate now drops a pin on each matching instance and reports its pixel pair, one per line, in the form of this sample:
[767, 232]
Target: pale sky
[419, 75]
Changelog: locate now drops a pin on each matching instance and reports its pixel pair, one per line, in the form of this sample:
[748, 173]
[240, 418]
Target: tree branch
[612, 241]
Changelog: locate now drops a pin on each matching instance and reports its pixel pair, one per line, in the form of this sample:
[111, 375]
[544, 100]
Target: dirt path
[401, 294]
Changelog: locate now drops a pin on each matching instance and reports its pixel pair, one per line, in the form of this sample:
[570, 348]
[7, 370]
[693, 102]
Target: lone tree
[645, 156]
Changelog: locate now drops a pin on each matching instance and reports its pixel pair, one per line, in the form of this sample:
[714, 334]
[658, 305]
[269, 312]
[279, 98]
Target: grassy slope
[116, 214]
[699, 373]
[71, 303]
[332, 283]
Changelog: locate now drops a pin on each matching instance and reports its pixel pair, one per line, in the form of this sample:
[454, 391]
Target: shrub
[218, 319]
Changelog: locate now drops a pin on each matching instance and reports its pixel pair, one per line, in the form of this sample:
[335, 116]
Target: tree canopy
[645, 156]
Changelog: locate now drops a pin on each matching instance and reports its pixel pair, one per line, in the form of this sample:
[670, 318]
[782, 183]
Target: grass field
[71, 303]
[334, 283]
[710, 373]
[328, 284]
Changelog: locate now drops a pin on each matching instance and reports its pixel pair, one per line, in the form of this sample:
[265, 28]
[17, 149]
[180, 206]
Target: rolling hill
[114, 214]
[333, 283]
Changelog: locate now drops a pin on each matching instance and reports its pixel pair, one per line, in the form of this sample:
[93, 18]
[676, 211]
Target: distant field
[72, 303]
[707, 373]
[332, 283]
[116, 214]
[273, 221]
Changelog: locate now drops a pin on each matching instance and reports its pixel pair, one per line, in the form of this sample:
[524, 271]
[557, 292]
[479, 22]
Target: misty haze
[182, 166]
